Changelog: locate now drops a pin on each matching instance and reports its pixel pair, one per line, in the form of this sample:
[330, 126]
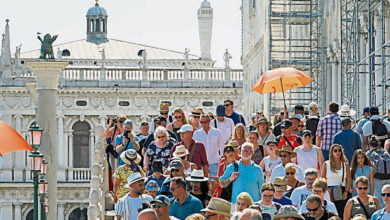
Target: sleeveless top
[335, 179]
[175, 130]
[307, 159]
[356, 208]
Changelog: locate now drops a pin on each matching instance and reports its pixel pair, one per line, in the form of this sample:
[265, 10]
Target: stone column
[6, 211]
[378, 60]
[47, 79]
[70, 149]
[334, 88]
[61, 212]
[19, 156]
[328, 97]
[363, 76]
[103, 120]
[61, 148]
[7, 159]
[18, 211]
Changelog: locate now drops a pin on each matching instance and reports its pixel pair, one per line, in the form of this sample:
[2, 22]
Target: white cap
[185, 128]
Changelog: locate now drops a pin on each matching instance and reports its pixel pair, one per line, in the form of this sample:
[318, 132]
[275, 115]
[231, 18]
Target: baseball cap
[366, 110]
[286, 124]
[220, 110]
[160, 118]
[162, 199]
[152, 186]
[295, 117]
[185, 128]
[307, 133]
[176, 164]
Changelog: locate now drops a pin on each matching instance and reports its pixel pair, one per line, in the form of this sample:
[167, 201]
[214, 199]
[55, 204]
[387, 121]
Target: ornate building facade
[105, 77]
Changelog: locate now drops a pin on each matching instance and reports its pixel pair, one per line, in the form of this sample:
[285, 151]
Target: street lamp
[42, 190]
[36, 159]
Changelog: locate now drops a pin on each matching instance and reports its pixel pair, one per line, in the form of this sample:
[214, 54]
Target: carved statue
[46, 47]
[227, 57]
[17, 54]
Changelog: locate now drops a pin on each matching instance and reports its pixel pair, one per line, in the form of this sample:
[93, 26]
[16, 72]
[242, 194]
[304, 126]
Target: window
[124, 103]
[78, 214]
[66, 53]
[81, 103]
[207, 104]
[81, 144]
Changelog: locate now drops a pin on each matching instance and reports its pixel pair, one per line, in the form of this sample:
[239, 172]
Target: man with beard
[199, 186]
[127, 206]
[161, 205]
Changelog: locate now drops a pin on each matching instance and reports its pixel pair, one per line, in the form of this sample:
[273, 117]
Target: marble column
[18, 211]
[6, 211]
[61, 212]
[47, 73]
[334, 88]
[363, 76]
[61, 148]
[378, 60]
[70, 144]
[19, 164]
[329, 90]
[103, 119]
[7, 159]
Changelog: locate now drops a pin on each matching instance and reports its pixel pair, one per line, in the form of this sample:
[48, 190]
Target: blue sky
[169, 24]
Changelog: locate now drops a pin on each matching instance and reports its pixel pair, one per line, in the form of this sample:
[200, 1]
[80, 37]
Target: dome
[97, 10]
[205, 4]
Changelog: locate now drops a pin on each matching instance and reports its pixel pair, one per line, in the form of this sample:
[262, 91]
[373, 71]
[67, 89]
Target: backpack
[226, 193]
[381, 160]
[312, 124]
[379, 129]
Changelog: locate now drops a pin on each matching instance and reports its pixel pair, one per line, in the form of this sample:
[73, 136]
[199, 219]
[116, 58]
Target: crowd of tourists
[218, 166]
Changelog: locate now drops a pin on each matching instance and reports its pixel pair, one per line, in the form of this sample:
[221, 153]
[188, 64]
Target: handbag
[336, 192]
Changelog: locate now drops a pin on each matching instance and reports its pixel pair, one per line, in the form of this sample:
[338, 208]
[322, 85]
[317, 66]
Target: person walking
[271, 161]
[383, 213]
[308, 155]
[348, 138]
[225, 124]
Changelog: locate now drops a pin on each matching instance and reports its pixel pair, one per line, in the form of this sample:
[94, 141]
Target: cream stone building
[104, 77]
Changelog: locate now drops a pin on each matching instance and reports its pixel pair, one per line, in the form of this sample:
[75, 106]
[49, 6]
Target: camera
[114, 120]
[126, 134]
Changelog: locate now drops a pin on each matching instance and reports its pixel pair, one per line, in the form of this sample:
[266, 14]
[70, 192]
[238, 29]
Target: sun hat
[288, 211]
[197, 176]
[261, 120]
[180, 151]
[218, 206]
[287, 149]
[220, 110]
[233, 143]
[161, 199]
[345, 111]
[185, 128]
[152, 186]
[197, 111]
[130, 155]
[280, 184]
[133, 178]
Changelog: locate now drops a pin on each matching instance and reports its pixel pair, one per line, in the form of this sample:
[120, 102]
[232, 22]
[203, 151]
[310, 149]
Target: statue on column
[17, 54]
[186, 53]
[227, 57]
[46, 46]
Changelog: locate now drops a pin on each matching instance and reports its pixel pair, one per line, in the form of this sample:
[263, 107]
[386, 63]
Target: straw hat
[233, 143]
[197, 176]
[280, 184]
[197, 111]
[219, 206]
[130, 155]
[164, 106]
[180, 151]
[133, 178]
[288, 211]
[286, 148]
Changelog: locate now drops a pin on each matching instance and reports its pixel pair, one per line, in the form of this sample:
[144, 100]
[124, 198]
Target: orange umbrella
[281, 80]
[11, 140]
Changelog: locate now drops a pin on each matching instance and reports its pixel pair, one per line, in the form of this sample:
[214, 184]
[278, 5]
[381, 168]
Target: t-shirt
[283, 201]
[204, 197]
[237, 118]
[299, 195]
[269, 209]
[127, 207]
[346, 138]
[294, 140]
[327, 214]
[327, 204]
[380, 214]
[190, 206]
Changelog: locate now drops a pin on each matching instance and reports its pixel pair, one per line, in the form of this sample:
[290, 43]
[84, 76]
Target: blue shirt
[190, 206]
[237, 118]
[250, 180]
[380, 214]
[346, 138]
[119, 140]
[283, 201]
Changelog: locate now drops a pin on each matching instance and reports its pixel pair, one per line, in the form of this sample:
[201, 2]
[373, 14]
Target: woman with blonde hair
[243, 201]
[239, 134]
[159, 149]
[292, 182]
[180, 120]
[336, 171]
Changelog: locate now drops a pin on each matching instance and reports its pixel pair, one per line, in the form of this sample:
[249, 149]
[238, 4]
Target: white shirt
[307, 159]
[280, 172]
[213, 143]
[300, 194]
[226, 127]
[127, 207]
[329, 207]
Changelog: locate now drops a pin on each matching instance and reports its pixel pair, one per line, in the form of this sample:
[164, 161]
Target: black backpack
[312, 124]
[379, 129]
[226, 193]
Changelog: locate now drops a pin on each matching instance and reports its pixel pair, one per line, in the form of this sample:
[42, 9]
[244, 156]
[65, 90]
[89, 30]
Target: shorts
[213, 171]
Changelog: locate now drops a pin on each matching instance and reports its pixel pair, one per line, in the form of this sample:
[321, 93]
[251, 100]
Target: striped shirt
[327, 128]
[127, 207]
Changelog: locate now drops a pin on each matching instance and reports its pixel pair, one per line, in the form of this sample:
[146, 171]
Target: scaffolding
[295, 40]
[359, 28]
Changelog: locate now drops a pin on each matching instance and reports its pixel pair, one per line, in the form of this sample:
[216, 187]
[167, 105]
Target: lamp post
[42, 190]
[35, 162]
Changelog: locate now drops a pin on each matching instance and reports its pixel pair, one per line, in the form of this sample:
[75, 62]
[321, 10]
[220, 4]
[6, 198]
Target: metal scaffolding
[295, 41]
[359, 28]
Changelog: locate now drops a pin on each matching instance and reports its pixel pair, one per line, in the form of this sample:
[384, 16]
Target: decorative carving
[139, 101]
[10, 101]
[153, 101]
[67, 101]
[25, 101]
[82, 117]
[95, 102]
[110, 102]
[194, 102]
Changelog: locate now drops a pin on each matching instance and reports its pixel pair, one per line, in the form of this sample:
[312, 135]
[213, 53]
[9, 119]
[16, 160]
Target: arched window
[78, 214]
[81, 144]
[30, 215]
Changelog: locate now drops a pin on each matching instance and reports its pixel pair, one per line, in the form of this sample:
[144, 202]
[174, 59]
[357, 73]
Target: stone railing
[78, 174]
[99, 181]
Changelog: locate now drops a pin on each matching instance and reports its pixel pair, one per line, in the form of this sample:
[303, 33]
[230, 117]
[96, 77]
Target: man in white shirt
[226, 125]
[127, 206]
[213, 142]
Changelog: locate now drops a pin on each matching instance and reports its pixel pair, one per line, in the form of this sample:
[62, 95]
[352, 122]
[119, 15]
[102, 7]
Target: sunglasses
[318, 191]
[121, 121]
[157, 206]
[268, 196]
[178, 117]
[290, 173]
[208, 216]
[313, 210]
[196, 116]
[385, 194]
[204, 122]
[337, 150]
[283, 155]
[227, 105]
[301, 126]
[161, 137]
[362, 188]
[174, 170]
[163, 113]
[229, 150]
[246, 151]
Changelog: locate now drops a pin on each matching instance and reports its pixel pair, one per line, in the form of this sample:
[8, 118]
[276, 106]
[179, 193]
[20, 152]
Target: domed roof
[97, 10]
[205, 4]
